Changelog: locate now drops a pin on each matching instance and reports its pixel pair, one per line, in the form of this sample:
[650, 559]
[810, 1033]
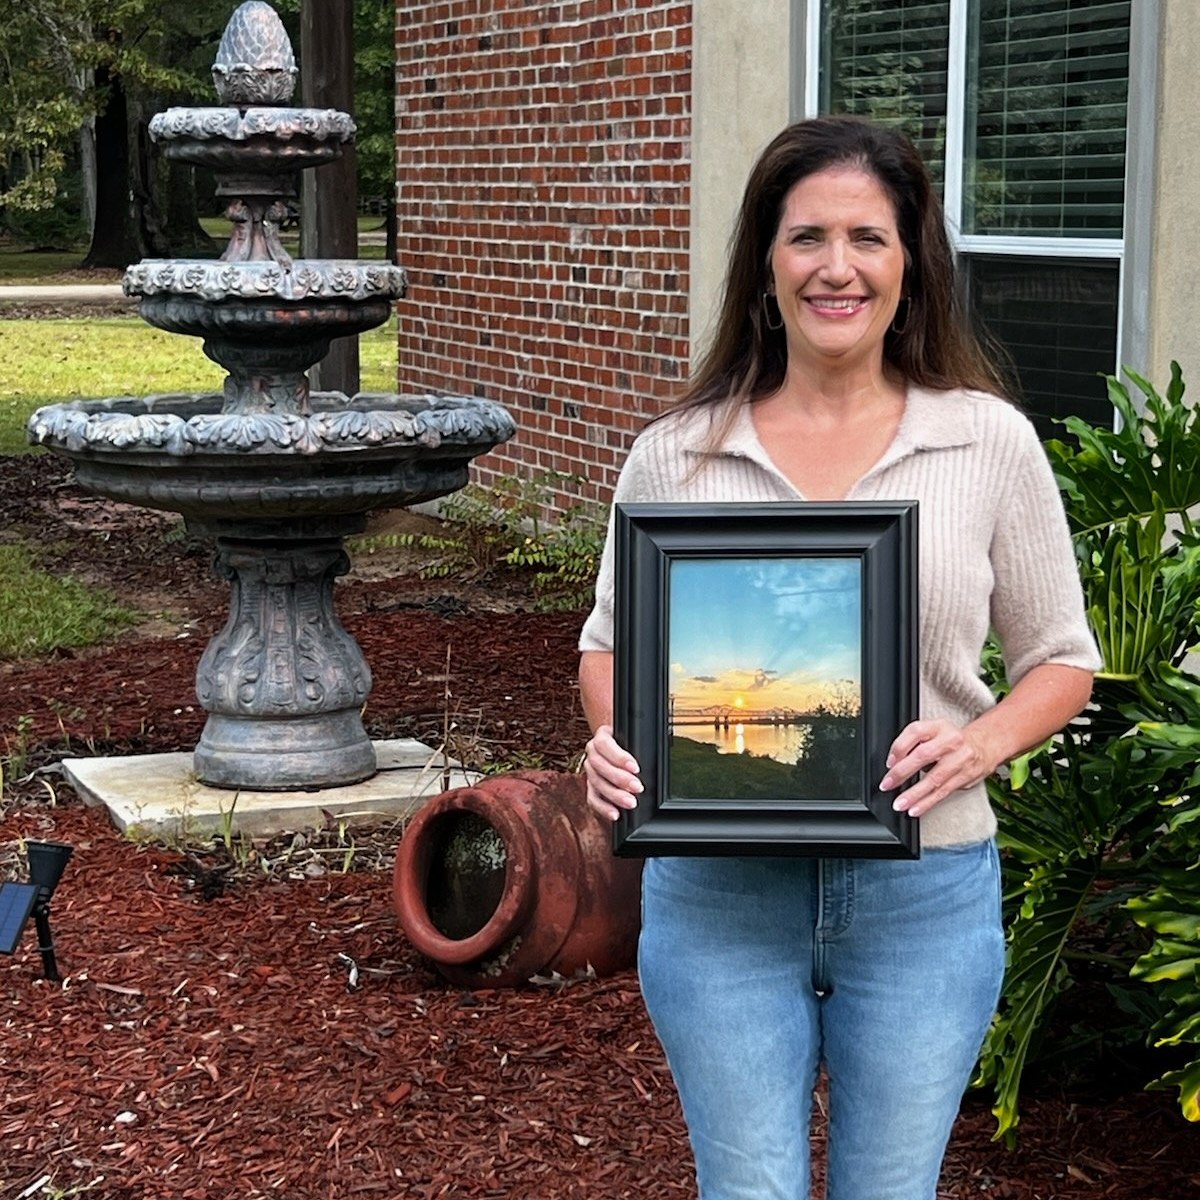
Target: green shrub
[484, 529]
[1102, 865]
[55, 225]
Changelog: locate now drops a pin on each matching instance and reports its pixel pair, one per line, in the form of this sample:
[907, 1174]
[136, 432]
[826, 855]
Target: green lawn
[42, 266]
[44, 361]
[50, 360]
[40, 612]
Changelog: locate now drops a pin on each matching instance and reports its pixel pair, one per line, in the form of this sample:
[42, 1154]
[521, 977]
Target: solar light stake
[41, 922]
[47, 861]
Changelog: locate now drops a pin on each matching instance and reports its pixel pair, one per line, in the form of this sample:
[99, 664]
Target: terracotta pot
[515, 877]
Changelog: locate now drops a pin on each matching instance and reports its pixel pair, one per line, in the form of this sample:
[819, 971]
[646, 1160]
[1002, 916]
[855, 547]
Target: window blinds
[1057, 318]
[1046, 89]
[1047, 84]
[886, 59]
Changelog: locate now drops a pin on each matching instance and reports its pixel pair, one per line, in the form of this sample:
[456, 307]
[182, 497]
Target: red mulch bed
[204, 1048]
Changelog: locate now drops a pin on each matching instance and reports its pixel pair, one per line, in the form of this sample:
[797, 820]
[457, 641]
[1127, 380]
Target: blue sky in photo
[764, 632]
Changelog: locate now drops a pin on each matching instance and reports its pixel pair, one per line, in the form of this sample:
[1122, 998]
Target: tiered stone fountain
[277, 474]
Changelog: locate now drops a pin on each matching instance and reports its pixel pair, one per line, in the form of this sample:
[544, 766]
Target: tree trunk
[87, 175]
[186, 237]
[114, 236]
[146, 186]
[329, 206]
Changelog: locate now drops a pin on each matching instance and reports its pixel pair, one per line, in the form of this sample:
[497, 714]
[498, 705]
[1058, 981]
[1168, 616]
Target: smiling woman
[842, 370]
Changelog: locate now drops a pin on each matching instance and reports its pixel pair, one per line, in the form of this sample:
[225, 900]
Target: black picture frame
[863, 544]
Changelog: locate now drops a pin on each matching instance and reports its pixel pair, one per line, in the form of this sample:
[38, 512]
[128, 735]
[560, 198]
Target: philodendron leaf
[1168, 959]
[1018, 768]
[1187, 1080]
[1055, 895]
[1183, 737]
[1119, 473]
[1172, 911]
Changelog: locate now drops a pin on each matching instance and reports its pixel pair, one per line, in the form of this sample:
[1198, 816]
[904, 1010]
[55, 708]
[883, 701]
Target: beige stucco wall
[1173, 314]
[743, 62]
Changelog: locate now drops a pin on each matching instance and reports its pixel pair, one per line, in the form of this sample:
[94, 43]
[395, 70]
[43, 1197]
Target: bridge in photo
[721, 716]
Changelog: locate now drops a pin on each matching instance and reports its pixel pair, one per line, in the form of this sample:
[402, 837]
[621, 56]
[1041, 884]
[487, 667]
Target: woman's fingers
[612, 775]
[949, 757]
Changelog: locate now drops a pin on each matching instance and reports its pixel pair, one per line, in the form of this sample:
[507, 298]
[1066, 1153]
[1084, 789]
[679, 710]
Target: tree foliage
[43, 96]
[64, 62]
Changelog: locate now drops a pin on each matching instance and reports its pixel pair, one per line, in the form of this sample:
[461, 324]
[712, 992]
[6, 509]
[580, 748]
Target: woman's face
[837, 268]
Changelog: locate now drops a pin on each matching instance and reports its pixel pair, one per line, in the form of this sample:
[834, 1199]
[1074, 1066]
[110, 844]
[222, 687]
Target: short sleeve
[597, 633]
[1037, 606]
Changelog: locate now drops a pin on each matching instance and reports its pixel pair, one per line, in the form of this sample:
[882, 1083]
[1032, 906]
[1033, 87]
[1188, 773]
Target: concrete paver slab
[158, 794]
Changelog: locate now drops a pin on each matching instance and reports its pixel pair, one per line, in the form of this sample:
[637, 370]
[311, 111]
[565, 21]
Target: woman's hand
[1040, 704]
[612, 775]
[952, 759]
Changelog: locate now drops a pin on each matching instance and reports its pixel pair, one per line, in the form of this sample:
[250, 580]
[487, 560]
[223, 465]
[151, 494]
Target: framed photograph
[765, 659]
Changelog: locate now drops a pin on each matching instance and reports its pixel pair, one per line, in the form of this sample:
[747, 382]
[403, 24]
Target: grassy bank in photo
[699, 770]
[828, 768]
[50, 360]
[40, 612]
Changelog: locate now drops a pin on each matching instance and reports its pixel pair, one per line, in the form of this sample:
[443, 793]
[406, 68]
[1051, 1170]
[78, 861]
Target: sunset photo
[765, 677]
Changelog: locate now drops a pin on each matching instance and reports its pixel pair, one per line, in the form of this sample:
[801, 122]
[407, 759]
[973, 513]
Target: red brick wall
[543, 162]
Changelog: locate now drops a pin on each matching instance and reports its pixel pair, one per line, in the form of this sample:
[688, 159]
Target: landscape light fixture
[47, 861]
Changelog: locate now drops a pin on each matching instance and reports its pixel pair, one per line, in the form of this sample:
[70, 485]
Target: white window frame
[1131, 251]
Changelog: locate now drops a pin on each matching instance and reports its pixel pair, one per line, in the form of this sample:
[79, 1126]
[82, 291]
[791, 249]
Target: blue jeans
[756, 971]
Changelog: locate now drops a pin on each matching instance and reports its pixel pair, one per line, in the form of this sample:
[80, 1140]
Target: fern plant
[484, 529]
[1099, 825]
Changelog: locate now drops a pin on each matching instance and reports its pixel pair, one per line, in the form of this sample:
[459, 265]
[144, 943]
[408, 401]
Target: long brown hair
[934, 347]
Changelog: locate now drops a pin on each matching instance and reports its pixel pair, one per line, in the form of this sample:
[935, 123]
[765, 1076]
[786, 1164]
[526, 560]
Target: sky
[761, 633]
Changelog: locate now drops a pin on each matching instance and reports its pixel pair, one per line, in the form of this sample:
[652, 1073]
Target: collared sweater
[994, 548]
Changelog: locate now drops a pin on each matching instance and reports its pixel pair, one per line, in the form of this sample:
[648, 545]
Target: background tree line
[79, 82]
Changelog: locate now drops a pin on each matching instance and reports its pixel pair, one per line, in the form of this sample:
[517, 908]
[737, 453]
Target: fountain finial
[255, 63]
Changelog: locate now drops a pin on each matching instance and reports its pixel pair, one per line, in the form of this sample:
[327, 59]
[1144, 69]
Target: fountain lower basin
[345, 457]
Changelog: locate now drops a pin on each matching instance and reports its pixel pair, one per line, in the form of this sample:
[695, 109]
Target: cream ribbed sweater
[994, 547]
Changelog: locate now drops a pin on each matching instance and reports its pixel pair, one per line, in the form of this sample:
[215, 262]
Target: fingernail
[885, 784]
[890, 761]
[636, 787]
[899, 804]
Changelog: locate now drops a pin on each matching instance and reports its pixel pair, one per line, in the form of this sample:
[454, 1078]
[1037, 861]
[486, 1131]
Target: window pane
[886, 59]
[1047, 82]
[1058, 320]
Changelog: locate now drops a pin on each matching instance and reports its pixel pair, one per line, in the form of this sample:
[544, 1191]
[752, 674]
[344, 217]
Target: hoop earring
[767, 296]
[907, 302]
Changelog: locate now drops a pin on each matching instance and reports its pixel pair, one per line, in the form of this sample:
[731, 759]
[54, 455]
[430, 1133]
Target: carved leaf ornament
[129, 423]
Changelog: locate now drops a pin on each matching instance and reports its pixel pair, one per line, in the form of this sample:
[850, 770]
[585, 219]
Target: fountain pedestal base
[285, 753]
[157, 795]
[283, 682]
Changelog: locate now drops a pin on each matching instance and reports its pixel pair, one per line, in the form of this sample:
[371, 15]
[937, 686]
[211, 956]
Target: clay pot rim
[520, 875]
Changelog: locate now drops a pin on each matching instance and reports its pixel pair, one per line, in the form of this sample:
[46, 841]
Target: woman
[842, 370]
